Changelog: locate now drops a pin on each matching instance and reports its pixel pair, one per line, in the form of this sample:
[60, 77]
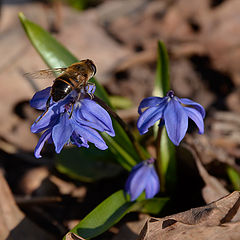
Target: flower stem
[158, 162]
[125, 127]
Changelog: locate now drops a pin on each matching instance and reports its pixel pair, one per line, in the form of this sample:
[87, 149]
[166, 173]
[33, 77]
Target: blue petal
[45, 122]
[196, 117]
[131, 175]
[40, 98]
[45, 136]
[153, 185]
[195, 105]
[139, 181]
[149, 117]
[97, 116]
[50, 140]
[82, 121]
[60, 106]
[150, 102]
[176, 121]
[78, 140]
[90, 88]
[61, 132]
[91, 135]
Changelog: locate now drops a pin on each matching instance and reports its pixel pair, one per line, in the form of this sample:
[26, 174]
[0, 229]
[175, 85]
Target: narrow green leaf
[121, 155]
[120, 102]
[162, 83]
[105, 215]
[56, 55]
[166, 161]
[87, 165]
[78, 4]
[234, 177]
[111, 210]
[151, 206]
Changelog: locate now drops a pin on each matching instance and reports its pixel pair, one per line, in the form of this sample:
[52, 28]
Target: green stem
[158, 163]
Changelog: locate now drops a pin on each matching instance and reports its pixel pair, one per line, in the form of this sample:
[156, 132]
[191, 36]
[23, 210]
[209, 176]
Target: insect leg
[91, 94]
[48, 103]
[70, 115]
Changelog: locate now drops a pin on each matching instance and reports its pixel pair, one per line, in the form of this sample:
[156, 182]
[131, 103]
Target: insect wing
[45, 74]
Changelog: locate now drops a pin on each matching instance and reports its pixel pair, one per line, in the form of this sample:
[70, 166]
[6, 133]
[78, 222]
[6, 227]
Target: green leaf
[78, 4]
[111, 210]
[56, 55]
[162, 83]
[234, 177]
[87, 165]
[105, 215]
[120, 102]
[166, 162]
[151, 206]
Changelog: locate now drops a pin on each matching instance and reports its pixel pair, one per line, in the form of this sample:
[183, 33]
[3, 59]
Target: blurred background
[120, 36]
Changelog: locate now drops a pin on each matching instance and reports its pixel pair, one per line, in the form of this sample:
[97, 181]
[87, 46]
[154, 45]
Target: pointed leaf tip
[21, 16]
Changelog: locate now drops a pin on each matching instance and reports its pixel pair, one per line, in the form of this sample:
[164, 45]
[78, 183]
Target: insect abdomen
[60, 89]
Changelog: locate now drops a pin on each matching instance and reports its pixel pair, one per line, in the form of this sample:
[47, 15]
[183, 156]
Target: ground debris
[210, 222]
[13, 223]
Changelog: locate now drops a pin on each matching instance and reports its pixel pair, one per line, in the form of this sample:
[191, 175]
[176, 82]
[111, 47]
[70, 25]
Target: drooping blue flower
[79, 128]
[173, 112]
[143, 177]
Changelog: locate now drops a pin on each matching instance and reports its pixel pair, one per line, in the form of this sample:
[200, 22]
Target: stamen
[170, 94]
[150, 161]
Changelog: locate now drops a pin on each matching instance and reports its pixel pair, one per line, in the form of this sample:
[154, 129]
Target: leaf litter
[202, 40]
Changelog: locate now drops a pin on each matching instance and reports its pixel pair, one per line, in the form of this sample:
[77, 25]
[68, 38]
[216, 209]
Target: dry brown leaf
[213, 188]
[233, 100]
[210, 222]
[221, 141]
[221, 38]
[73, 236]
[131, 229]
[13, 223]
[225, 132]
[32, 179]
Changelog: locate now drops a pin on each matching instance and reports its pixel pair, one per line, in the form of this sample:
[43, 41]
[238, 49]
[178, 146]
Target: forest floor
[202, 39]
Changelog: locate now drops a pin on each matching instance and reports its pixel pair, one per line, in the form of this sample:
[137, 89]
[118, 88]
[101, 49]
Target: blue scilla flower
[174, 112]
[143, 177]
[62, 124]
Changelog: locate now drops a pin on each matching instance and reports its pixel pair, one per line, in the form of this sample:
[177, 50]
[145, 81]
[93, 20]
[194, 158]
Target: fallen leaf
[14, 224]
[210, 222]
[131, 229]
[213, 188]
[73, 236]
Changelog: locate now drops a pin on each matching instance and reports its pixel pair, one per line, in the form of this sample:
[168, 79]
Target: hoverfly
[74, 77]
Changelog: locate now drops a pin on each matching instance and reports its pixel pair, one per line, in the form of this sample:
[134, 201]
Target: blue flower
[172, 111]
[143, 177]
[60, 127]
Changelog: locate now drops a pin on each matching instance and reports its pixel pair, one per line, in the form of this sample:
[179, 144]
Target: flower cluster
[77, 119]
[173, 112]
[143, 177]
[62, 124]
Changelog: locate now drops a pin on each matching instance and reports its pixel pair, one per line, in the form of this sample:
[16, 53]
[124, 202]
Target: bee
[74, 77]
